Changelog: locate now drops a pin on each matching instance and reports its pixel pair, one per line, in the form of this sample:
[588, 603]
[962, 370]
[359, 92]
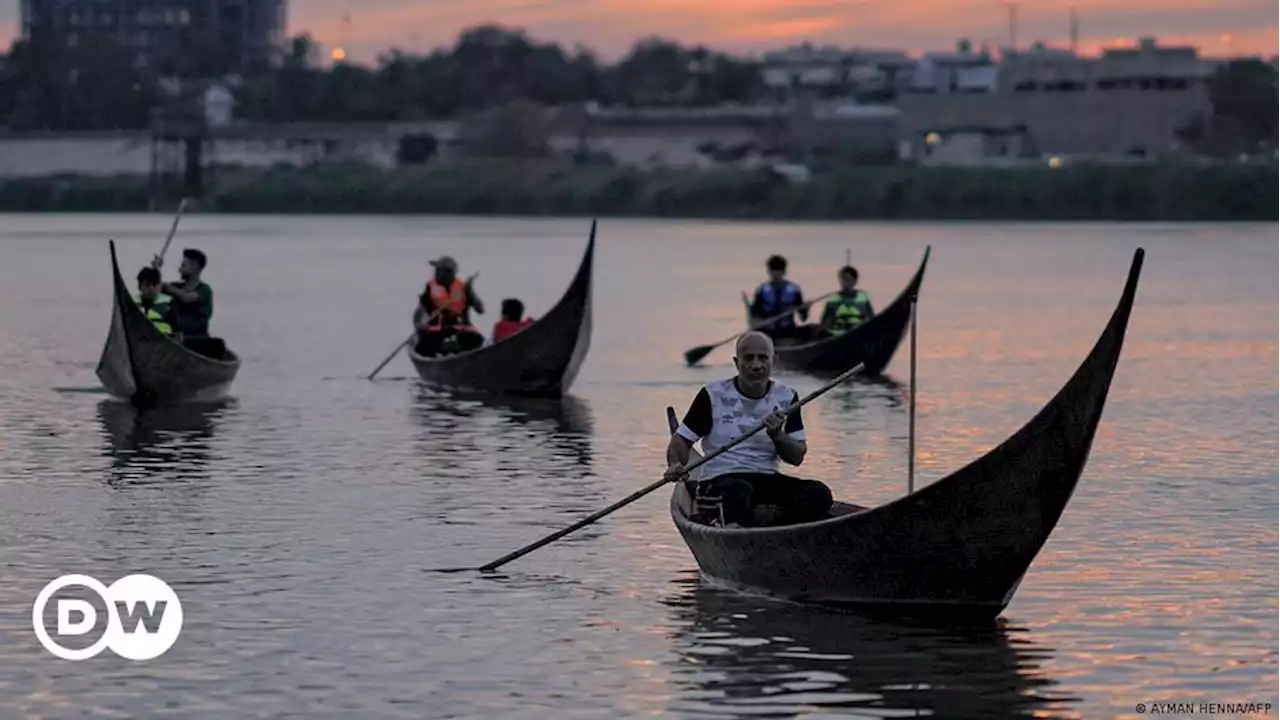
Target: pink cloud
[611, 26]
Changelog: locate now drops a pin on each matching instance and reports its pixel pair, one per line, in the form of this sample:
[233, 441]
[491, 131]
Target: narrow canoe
[873, 343]
[954, 551]
[541, 361]
[146, 367]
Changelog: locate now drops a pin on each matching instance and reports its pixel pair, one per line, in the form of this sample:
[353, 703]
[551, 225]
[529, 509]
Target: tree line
[97, 84]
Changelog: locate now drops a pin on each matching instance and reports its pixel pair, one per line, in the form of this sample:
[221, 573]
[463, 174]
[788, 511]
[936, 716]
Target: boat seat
[210, 347]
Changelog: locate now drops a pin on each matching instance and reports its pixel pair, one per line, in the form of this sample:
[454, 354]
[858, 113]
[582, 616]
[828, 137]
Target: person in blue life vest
[850, 307]
[777, 296]
[746, 477]
[157, 306]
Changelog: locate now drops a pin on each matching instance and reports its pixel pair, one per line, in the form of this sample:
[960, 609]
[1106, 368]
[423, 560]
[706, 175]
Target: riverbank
[1138, 192]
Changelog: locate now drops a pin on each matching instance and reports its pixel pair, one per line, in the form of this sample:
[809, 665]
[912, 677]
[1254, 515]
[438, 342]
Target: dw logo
[143, 617]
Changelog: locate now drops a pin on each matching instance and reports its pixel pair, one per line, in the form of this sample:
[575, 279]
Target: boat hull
[954, 551]
[142, 365]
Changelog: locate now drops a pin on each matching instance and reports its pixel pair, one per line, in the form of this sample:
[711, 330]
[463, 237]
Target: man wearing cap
[443, 317]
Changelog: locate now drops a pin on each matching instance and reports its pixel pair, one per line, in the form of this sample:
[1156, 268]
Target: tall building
[239, 35]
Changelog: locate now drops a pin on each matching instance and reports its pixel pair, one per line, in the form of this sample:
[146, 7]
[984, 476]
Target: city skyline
[609, 27]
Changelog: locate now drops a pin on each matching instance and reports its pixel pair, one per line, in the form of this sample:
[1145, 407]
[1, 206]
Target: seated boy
[511, 322]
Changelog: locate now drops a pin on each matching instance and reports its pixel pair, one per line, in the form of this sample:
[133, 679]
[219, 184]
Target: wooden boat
[146, 367]
[954, 551]
[541, 361]
[873, 343]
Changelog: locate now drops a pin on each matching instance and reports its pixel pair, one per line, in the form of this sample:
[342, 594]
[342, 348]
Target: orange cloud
[611, 26]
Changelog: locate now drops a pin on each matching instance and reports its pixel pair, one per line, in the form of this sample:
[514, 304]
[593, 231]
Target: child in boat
[511, 322]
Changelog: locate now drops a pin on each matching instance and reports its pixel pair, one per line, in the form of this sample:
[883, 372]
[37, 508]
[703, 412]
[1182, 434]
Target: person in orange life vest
[511, 322]
[454, 299]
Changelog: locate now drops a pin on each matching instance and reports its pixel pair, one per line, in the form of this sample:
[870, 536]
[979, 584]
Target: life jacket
[451, 299]
[154, 312]
[504, 329]
[776, 303]
[848, 312]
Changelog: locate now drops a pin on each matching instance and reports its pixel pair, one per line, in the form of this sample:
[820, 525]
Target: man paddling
[746, 477]
[192, 298]
[444, 312]
[776, 297]
[193, 303]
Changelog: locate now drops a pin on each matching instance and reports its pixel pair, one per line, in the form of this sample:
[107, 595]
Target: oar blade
[694, 356]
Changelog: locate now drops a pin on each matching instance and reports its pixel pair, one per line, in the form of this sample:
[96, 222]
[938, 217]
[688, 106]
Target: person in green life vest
[157, 306]
[849, 308]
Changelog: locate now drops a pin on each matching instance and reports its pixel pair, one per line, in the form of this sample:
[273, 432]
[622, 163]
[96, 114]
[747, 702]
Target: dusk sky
[1218, 27]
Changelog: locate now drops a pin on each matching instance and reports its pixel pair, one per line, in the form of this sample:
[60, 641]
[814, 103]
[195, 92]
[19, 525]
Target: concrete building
[246, 34]
[831, 72]
[1127, 102]
[963, 71]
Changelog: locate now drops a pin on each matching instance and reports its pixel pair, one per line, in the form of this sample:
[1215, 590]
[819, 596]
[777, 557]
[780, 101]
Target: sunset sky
[1218, 27]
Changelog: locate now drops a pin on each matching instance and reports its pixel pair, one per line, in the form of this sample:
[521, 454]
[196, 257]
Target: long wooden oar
[691, 357]
[645, 491]
[409, 340]
[177, 217]
[911, 416]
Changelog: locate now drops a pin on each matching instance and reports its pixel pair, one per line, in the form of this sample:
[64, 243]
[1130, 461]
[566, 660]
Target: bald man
[747, 476]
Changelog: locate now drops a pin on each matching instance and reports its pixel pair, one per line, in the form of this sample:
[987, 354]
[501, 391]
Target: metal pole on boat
[911, 410]
[848, 256]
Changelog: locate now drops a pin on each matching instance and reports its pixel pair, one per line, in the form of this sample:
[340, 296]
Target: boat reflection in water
[863, 390]
[532, 457]
[167, 439]
[743, 656]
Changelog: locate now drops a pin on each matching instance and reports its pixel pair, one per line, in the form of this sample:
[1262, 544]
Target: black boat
[954, 551]
[541, 361]
[146, 367]
[873, 343]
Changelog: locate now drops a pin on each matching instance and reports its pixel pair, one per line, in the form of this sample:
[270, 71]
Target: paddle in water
[646, 490]
[692, 356]
[409, 340]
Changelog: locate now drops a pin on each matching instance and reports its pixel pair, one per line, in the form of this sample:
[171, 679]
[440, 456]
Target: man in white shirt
[747, 476]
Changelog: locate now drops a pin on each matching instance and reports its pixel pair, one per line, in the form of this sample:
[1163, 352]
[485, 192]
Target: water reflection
[747, 657]
[507, 457]
[566, 425]
[168, 438]
[860, 390]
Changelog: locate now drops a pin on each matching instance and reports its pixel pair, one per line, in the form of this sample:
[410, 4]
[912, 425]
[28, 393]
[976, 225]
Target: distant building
[1127, 102]
[245, 35]
[963, 71]
[1145, 67]
[831, 72]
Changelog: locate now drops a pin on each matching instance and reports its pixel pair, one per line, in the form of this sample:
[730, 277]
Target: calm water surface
[300, 521]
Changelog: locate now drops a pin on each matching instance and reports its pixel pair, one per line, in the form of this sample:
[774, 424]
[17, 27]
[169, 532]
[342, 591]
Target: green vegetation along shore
[1138, 192]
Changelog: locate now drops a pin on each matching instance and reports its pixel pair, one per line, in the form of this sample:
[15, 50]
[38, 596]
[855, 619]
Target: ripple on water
[300, 521]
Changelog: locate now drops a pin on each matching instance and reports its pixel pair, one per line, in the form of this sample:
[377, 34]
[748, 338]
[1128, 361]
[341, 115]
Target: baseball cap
[447, 263]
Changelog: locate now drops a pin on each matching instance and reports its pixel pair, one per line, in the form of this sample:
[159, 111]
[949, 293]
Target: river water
[301, 522]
